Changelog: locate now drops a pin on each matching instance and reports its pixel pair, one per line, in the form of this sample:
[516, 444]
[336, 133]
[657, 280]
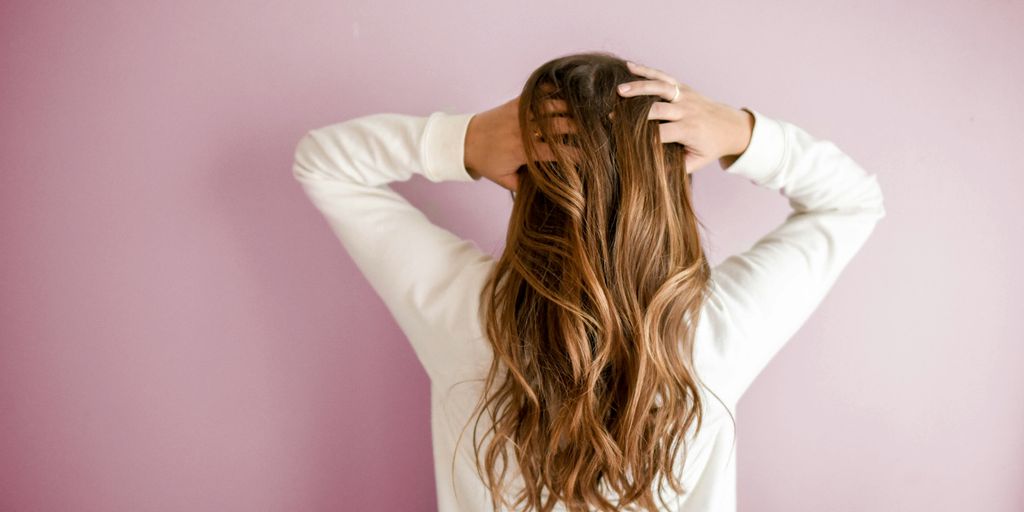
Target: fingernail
[623, 87]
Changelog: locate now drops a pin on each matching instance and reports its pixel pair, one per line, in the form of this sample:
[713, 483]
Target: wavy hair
[591, 309]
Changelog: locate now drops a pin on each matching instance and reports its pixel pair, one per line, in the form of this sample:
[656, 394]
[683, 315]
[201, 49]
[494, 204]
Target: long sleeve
[762, 296]
[425, 275]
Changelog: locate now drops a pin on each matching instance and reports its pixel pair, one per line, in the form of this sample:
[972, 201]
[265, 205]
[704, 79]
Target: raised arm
[425, 275]
[762, 296]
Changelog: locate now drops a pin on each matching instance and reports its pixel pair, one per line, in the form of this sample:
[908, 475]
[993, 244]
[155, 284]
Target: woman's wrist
[469, 147]
[743, 129]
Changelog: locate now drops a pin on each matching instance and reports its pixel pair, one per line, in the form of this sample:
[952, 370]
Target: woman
[598, 357]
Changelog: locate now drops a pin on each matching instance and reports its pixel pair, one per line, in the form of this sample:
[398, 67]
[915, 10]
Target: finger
[672, 132]
[694, 163]
[557, 116]
[550, 108]
[554, 106]
[545, 152]
[509, 181]
[649, 72]
[559, 126]
[563, 125]
[665, 111]
[667, 133]
[666, 90]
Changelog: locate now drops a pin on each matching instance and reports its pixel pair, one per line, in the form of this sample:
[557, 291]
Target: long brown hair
[591, 309]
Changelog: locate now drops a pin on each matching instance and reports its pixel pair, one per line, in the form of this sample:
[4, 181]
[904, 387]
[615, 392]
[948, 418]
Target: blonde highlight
[592, 308]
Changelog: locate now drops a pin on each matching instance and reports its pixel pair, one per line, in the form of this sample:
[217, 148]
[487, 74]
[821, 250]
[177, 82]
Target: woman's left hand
[494, 144]
[708, 129]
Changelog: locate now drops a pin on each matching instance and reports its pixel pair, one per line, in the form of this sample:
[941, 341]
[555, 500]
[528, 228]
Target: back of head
[592, 307]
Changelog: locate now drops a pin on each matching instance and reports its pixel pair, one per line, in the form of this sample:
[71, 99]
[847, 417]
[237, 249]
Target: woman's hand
[708, 129]
[494, 144]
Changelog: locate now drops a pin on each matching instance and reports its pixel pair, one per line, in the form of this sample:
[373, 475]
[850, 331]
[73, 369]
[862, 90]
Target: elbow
[307, 157]
[877, 202]
[866, 199]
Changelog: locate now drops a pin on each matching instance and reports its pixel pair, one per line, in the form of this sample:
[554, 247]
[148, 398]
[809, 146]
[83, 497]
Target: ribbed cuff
[761, 161]
[444, 147]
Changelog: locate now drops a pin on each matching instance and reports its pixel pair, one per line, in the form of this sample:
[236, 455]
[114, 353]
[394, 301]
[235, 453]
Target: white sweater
[429, 279]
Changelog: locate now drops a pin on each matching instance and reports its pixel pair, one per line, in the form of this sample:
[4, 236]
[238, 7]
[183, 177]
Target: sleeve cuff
[762, 159]
[444, 147]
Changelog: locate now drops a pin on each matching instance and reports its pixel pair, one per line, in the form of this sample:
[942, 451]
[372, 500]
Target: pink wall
[180, 331]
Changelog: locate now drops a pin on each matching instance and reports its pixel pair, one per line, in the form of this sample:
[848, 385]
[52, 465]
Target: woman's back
[709, 468]
[430, 279]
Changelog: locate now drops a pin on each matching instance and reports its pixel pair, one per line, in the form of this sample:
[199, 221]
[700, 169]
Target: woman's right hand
[709, 130]
[494, 144]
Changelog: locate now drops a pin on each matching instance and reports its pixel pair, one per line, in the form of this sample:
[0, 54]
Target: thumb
[509, 181]
[694, 162]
